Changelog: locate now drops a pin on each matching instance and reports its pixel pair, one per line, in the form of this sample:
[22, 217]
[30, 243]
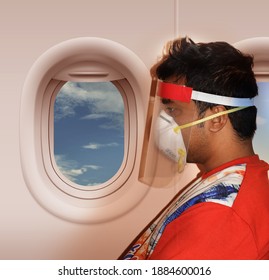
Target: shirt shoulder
[207, 231]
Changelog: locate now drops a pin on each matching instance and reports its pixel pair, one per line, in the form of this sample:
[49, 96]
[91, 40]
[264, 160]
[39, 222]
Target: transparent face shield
[171, 118]
[165, 146]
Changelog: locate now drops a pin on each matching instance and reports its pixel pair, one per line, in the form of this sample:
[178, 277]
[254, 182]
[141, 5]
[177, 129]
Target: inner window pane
[88, 131]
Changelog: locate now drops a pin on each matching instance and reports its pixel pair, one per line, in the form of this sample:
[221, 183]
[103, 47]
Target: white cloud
[261, 121]
[94, 117]
[96, 146]
[93, 167]
[102, 99]
[70, 168]
[94, 184]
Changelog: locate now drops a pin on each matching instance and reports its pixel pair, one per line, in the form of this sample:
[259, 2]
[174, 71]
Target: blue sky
[88, 132]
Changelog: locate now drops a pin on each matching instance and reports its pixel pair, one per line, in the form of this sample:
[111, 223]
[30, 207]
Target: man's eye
[169, 110]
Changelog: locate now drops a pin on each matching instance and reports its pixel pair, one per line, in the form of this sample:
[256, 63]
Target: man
[224, 214]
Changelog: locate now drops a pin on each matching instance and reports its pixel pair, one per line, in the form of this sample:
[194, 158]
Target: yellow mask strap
[176, 129]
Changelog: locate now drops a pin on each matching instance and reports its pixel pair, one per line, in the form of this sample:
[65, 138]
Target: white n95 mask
[169, 140]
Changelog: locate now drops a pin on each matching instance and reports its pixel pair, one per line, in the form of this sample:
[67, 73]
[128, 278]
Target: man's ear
[217, 123]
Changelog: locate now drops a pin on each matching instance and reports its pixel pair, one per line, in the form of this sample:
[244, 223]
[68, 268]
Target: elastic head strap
[177, 129]
[186, 94]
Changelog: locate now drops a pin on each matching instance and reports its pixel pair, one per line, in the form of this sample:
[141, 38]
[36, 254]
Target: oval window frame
[130, 146]
[259, 47]
[127, 71]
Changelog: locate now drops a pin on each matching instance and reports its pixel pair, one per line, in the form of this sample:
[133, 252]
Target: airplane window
[88, 132]
[82, 114]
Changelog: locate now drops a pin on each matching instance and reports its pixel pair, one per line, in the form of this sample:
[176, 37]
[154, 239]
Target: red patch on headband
[174, 92]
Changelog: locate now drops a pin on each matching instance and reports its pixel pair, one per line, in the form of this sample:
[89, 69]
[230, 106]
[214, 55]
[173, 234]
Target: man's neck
[229, 153]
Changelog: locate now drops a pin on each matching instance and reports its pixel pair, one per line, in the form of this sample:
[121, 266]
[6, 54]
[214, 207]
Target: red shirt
[211, 230]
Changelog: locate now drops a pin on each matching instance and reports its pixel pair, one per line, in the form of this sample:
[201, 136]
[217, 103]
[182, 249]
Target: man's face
[194, 136]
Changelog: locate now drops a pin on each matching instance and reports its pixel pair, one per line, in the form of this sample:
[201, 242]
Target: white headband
[222, 100]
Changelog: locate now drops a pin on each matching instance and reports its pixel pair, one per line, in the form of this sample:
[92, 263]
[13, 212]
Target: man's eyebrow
[167, 101]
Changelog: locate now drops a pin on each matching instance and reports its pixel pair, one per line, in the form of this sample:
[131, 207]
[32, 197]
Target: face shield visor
[170, 120]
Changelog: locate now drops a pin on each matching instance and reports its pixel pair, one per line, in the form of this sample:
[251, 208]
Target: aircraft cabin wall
[29, 229]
